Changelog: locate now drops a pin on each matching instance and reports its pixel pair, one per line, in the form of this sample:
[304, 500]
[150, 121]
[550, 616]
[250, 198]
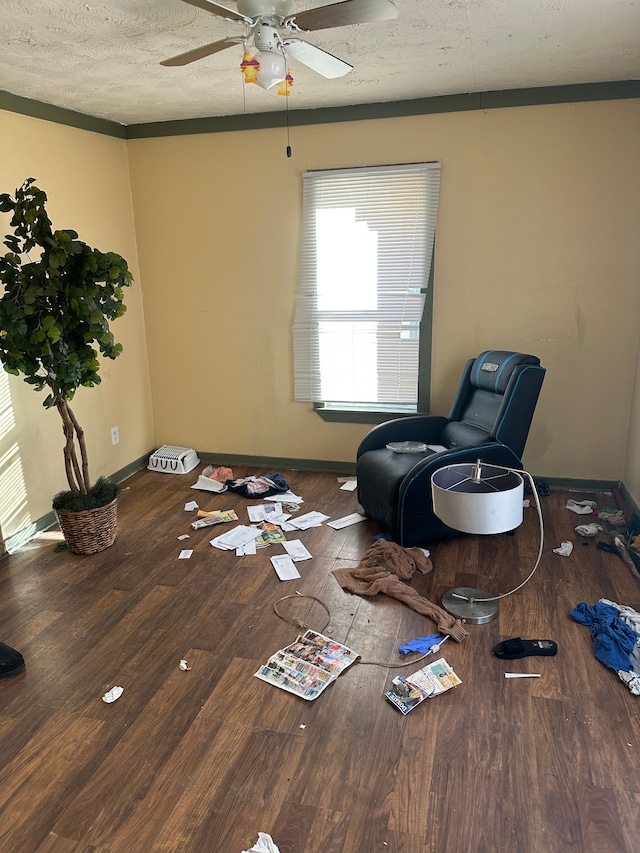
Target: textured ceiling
[102, 58]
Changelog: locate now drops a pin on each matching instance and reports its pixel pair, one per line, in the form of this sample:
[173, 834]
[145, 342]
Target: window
[366, 255]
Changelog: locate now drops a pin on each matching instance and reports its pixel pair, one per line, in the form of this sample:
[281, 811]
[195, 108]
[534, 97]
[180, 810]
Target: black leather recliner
[489, 419]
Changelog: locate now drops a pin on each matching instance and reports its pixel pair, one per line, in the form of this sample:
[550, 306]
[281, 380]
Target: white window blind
[367, 245]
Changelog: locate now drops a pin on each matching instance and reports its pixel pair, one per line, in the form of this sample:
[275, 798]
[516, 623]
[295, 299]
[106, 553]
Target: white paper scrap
[191, 505]
[206, 484]
[264, 512]
[233, 539]
[286, 497]
[184, 536]
[247, 549]
[185, 554]
[285, 569]
[278, 517]
[296, 550]
[113, 694]
[309, 519]
[184, 666]
[264, 844]
[349, 486]
[346, 520]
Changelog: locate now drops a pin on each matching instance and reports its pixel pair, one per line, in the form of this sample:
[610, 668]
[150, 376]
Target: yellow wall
[631, 477]
[536, 250]
[86, 178]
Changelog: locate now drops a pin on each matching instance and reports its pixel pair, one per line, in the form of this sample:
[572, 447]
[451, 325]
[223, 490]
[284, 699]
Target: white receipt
[285, 569]
[296, 550]
[346, 520]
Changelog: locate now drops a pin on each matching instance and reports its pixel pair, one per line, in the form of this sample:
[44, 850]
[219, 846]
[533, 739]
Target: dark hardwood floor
[203, 760]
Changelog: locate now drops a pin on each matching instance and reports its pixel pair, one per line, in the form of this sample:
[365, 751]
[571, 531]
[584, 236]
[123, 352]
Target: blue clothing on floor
[613, 639]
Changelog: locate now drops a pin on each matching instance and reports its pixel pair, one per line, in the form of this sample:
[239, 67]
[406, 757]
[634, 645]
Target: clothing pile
[270, 484]
[384, 568]
[615, 630]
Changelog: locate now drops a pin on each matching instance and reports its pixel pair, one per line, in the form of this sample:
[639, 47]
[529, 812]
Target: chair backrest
[495, 400]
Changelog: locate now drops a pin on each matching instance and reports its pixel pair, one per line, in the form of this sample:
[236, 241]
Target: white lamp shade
[490, 501]
[273, 68]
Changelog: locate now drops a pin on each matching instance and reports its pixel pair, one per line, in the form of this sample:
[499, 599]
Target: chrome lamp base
[469, 604]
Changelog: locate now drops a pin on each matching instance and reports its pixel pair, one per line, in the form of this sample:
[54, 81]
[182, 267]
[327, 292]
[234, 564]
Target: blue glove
[422, 644]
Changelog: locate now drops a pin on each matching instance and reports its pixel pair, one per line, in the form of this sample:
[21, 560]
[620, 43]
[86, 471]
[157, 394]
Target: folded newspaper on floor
[435, 678]
[307, 666]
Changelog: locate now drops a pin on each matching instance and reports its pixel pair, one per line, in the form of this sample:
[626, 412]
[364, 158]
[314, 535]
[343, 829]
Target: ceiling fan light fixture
[273, 68]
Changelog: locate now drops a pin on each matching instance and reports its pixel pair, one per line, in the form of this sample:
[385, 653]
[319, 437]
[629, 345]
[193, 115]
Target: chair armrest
[425, 428]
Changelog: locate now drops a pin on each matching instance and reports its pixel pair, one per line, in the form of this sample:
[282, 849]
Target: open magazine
[435, 678]
[308, 665]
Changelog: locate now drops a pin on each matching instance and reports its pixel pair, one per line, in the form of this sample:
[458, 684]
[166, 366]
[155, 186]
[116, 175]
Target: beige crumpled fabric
[403, 562]
[369, 580]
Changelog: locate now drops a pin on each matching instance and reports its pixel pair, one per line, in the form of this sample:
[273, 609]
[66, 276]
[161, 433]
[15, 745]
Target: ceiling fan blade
[217, 9]
[345, 13]
[201, 52]
[316, 59]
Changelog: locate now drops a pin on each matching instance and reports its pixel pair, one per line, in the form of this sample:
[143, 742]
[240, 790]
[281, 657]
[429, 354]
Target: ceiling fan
[268, 48]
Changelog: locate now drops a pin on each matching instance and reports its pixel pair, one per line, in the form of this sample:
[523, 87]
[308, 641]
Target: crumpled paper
[264, 844]
[113, 694]
[565, 549]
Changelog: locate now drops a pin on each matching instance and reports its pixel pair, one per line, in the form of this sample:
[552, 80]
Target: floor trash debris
[264, 844]
[113, 694]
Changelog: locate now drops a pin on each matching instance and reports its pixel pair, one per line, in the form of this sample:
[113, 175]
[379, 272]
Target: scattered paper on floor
[184, 666]
[236, 537]
[346, 520]
[185, 554]
[296, 550]
[113, 694]
[309, 519]
[286, 497]
[285, 568]
[206, 484]
[190, 505]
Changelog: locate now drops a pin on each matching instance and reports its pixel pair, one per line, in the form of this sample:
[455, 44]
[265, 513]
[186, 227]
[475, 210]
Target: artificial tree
[54, 316]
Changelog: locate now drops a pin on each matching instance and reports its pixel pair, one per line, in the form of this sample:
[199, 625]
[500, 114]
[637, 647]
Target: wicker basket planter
[91, 530]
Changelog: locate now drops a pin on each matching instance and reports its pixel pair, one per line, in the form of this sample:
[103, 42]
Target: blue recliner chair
[489, 419]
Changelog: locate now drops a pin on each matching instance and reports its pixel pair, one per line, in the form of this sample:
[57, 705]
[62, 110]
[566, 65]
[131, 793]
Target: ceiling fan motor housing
[266, 37]
[266, 8]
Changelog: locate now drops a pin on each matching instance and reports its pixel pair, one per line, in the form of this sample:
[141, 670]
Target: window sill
[358, 416]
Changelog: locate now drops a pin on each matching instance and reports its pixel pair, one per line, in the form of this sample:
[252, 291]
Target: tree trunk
[77, 474]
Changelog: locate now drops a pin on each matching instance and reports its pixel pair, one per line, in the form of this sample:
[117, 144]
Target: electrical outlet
[115, 435]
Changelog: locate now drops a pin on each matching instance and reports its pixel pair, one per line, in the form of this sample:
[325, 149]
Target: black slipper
[11, 661]
[519, 648]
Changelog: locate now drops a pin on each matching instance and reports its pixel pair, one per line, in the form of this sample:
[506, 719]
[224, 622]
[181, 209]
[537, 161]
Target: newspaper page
[308, 665]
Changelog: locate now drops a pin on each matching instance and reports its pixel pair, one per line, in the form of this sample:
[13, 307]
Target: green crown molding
[580, 92]
[59, 115]
[394, 109]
